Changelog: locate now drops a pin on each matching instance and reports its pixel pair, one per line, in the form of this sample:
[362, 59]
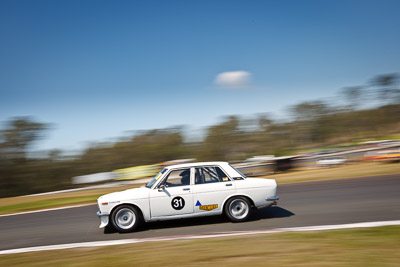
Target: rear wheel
[125, 218]
[238, 209]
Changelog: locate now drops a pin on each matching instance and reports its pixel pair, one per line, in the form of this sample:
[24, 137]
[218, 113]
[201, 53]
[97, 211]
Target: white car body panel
[212, 194]
[257, 189]
[156, 203]
[160, 202]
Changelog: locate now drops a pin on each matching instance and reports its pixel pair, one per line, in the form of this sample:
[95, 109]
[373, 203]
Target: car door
[173, 196]
[212, 187]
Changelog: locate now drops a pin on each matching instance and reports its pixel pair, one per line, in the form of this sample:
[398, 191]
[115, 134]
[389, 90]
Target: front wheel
[238, 209]
[125, 218]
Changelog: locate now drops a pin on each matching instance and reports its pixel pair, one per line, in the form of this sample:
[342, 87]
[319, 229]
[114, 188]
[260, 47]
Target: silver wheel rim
[238, 209]
[125, 218]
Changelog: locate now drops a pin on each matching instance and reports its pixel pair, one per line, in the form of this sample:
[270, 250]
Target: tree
[353, 96]
[309, 110]
[222, 140]
[309, 124]
[264, 122]
[18, 136]
[387, 85]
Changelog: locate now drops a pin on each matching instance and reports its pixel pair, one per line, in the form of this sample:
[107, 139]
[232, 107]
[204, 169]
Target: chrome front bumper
[103, 218]
[99, 214]
[274, 199]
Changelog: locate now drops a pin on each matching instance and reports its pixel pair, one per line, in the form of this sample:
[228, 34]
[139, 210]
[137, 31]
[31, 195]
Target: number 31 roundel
[178, 203]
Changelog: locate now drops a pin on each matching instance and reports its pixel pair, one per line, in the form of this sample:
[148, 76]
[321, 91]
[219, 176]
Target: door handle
[228, 185]
[186, 189]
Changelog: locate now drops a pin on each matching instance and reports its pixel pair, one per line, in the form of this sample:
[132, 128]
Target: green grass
[48, 203]
[356, 247]
[30, 203]
[18, 204]
[361, 169]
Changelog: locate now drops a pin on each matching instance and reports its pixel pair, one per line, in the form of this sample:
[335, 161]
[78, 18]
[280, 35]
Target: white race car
[188, 190]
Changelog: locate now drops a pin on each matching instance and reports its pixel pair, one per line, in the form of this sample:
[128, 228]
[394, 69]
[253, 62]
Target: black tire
[125, 218]
[238, 209]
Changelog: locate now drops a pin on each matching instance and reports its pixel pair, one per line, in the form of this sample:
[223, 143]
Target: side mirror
[161, 188]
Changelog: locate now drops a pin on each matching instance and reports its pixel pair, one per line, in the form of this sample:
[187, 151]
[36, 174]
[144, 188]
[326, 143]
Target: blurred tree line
[366, 111]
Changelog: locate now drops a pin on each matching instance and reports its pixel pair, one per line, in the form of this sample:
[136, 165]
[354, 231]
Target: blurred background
[95, 91]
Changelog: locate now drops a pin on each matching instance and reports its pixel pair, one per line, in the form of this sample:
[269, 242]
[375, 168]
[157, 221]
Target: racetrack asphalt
[339, 201]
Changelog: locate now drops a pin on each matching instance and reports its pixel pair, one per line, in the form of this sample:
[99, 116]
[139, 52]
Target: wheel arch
[238, 195]
[128, 204]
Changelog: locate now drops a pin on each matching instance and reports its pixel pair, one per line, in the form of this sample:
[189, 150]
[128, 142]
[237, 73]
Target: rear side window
[205, 175]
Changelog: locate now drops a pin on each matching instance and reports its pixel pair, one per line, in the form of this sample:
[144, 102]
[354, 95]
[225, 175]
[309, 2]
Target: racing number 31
[178, 203]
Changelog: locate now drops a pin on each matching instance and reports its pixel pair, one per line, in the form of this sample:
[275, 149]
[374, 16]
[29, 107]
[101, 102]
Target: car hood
[135, 193]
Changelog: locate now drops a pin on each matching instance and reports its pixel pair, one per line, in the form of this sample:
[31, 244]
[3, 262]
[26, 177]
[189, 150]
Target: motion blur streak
[43, 210]
[188, 237]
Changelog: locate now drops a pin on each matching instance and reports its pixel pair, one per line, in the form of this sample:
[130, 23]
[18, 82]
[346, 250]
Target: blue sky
[99, 69]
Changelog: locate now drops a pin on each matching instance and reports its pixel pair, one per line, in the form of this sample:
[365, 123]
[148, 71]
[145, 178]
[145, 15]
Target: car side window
[177, 178]
[205, 175]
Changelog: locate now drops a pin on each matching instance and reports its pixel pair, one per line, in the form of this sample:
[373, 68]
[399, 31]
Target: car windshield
[244, 176]
[155, 178]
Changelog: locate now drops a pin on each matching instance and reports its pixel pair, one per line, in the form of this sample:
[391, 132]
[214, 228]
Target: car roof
[196, 164]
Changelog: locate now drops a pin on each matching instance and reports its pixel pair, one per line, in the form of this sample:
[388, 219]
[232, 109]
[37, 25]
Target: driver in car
[185, 179]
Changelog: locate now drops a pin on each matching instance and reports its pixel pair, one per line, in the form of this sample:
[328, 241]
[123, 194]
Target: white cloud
[233, 79]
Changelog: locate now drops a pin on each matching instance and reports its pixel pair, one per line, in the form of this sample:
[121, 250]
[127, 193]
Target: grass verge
[29, 203]
[360, 169]
[378, 246]
[48, 203]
